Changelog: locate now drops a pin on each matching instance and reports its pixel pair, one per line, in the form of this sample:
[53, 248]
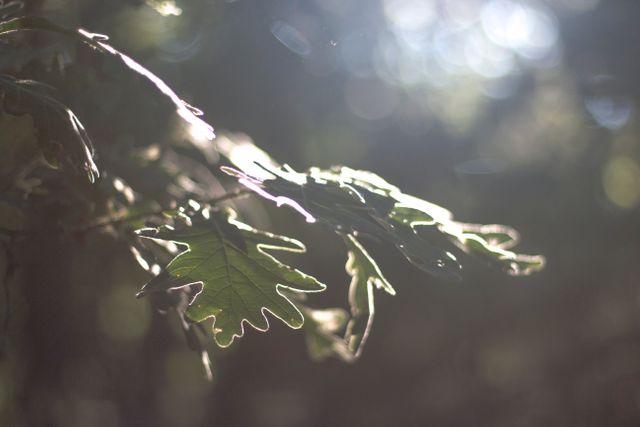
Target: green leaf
[82, 153]
[365, 275]
[410, 216]
[240, 280]
[320, 327]
[350, 206]
[510, 262]
[496, 235]
[362, 203]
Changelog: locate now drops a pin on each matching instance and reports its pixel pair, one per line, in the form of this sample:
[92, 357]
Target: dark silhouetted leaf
[83, 152]
[98, 41]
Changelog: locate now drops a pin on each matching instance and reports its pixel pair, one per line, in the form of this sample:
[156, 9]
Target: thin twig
[123, 220]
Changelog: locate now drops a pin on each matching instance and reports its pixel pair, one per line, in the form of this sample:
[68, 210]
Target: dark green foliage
[29, 95]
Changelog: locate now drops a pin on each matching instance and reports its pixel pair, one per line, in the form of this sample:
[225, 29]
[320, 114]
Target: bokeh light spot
[409, 15]
[165, 7]
[621, 181]
[611, 112]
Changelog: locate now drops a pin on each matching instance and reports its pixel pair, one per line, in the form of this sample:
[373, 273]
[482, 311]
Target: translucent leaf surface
[365, 276]
[321, 327]
[364, 204]
[240, 280]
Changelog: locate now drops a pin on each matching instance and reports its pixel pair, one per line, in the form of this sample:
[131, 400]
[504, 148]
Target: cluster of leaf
[227, 257]
[217, 267]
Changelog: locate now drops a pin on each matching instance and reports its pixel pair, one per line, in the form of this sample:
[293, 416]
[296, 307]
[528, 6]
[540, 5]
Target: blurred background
[518, 112]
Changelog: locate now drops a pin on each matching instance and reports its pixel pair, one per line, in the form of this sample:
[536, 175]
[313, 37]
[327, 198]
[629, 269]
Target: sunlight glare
[409, 15]
[525, 29]
[165, 7]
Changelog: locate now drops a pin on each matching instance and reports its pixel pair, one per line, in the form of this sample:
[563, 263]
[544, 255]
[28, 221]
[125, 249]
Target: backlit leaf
[321, 327]
[240, 280]
[365, 275]
[364, 204]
